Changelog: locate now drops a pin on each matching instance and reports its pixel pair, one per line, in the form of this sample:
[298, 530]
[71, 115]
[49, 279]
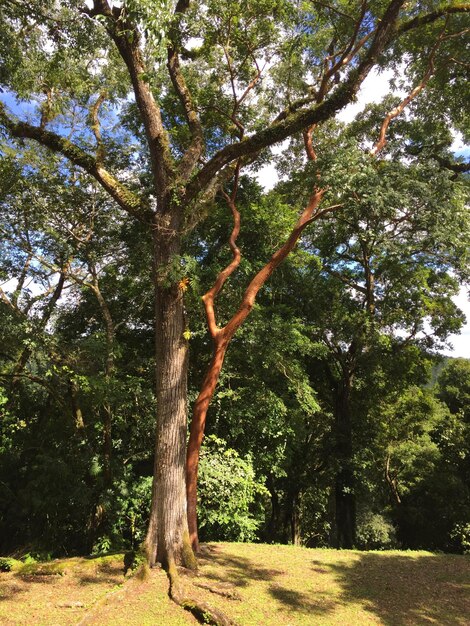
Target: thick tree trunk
[345, 498]
[167, 537]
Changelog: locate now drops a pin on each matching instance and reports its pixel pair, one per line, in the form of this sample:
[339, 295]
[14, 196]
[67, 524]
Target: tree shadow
[9, 590]
[239, 571]
[406, 589]
[97, 579]
[301, 602]
[102, 573]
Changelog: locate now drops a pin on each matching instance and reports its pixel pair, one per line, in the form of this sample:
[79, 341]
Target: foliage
[375, 532]
[321, 397]
[229, 494]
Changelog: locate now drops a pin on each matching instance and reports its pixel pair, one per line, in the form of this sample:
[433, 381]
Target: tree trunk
[197, 433]
[345, 498]
[272, 530]
[221, 337]
[295, 520]
[167, 538]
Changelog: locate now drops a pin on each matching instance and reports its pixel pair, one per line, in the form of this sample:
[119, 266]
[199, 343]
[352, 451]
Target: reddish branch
[308, 143]
[221, 337]
[381, 142]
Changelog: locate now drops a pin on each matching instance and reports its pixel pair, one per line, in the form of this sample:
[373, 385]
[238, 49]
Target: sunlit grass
[254, 585]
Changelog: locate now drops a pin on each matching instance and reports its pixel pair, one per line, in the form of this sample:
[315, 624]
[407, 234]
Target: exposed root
[202, 611]
[225, 593]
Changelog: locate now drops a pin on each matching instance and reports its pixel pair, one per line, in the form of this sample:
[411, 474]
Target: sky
[374, 88]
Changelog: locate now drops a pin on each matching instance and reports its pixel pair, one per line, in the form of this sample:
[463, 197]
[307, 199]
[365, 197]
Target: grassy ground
[254, 585]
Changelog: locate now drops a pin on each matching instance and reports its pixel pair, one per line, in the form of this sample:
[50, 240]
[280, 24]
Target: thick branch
[121, 194]
[196, 148]
[297, 121]
[428, 18]
[126, 37]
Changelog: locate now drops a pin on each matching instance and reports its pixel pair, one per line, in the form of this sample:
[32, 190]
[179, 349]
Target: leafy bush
[7, 564]
[461, 535]
[375, 532]
[229, 494]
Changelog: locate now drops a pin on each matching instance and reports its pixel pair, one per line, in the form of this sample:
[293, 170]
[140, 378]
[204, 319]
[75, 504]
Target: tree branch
[382, 140]
[126, 199]
[96, 127]
[299, 120]
[209, 297]
[126, 37]
[196, 147]
[422, 20]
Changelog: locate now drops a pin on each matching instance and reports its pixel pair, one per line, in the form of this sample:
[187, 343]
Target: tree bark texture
[167, 537]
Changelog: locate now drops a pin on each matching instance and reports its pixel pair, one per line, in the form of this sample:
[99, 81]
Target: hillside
[252, 584]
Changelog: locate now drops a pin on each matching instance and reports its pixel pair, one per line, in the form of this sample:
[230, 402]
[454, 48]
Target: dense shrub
[375, 532]
[229, 494]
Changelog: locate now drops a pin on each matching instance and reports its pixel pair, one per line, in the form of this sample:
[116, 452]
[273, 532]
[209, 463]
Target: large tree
[163, 103]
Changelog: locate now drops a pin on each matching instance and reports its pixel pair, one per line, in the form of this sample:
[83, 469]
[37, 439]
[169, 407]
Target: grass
[253, 585]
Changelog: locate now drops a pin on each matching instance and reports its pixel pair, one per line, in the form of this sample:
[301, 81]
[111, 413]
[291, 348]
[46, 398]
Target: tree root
[225, 593]
[202, 611]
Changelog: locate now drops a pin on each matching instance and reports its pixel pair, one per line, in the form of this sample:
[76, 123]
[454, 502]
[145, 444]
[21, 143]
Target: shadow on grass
[405, 590]
[241, 572]
[399, 589]
[238, 570]
[102, 573]
[10, 591]
[98, 579]
[300, 602]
